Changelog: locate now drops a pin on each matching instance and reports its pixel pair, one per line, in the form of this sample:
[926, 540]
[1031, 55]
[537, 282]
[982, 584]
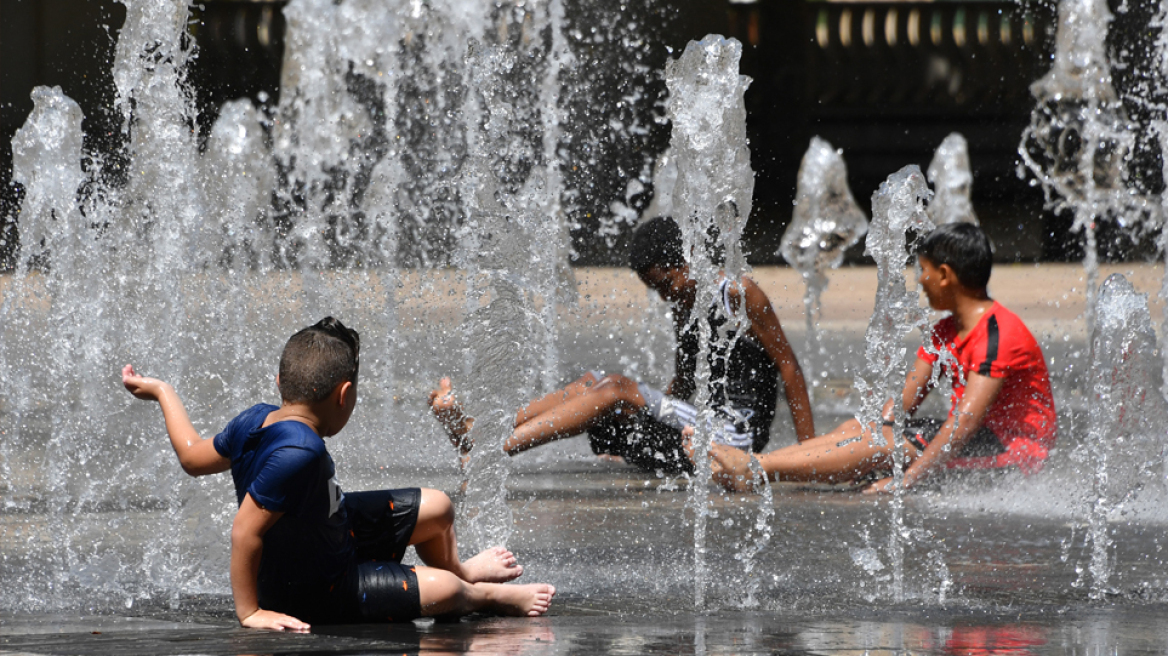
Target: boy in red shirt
[1002, 412]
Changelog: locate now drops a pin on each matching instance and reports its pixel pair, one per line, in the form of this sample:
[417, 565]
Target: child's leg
[433, 538]
[574, 389]
[443, 593]
[577, 414]
[845, 454]
[449, 412]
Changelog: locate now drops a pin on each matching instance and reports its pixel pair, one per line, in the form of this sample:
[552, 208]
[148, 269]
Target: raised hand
[142, 387]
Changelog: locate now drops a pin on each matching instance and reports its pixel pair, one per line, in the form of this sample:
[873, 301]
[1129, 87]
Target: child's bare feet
[448, 410]
[494, 565]
[522, 600]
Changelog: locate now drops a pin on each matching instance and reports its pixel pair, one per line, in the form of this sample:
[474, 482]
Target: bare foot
[449, 413]
[521, 600]
[494, 565]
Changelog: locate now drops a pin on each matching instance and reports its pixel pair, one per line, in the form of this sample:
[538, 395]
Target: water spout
[827, 221]
[711, 203]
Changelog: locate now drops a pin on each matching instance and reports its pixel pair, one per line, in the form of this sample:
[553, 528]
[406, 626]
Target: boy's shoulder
[1009, 325]
[247, 429]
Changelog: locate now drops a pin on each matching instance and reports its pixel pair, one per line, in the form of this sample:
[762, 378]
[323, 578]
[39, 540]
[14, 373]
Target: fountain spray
[952, 181]
[711, 203]
[1125, 445]
[1079, 138]
[827, 221]
[898, 208]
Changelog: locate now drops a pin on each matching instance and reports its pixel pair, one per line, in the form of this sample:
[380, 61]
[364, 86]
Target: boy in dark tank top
[643, 425]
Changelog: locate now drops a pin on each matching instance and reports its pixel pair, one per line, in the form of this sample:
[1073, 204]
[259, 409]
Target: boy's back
[286, 468]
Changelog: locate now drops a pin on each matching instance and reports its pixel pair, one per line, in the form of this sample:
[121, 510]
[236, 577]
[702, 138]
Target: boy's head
[965, 249]
[656, 243]
[658, 257]
[317, 359]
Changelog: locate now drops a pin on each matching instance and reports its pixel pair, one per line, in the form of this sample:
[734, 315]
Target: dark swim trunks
[920, 433]
[642, 441]
[375, 587]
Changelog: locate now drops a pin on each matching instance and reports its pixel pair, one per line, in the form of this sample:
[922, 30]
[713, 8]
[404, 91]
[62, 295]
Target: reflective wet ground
[1084, 632]
[619, 548]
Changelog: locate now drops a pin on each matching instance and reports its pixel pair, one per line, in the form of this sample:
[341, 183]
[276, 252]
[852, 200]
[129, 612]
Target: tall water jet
[1079, 138]
[711, 202]
[898, 209]
[827, 221]
[514, 251]
[952, 181]
[1125, 436]
[240, 174]
[47, 154]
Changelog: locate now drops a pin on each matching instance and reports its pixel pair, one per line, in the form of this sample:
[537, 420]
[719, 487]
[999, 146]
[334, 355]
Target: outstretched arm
[764, 325]
[197, 456]
[980, 393]
[247, 545]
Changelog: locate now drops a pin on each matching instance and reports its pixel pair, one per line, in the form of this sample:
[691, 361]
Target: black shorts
[642, 441]
[920, 433]
[375, 587]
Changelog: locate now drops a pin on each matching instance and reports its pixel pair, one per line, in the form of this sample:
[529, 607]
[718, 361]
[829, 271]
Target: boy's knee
[618, 389]
[436, 505]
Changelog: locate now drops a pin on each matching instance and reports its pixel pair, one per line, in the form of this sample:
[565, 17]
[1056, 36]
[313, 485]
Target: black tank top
[744, 382]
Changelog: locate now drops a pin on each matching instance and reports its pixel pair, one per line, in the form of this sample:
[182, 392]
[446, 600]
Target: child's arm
[980, 392]
[917, 385]
[196, 455]
[765, 326]
[247, 544]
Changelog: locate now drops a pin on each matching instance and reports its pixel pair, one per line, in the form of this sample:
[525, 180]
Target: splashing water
[1079, 138]
[952, 180]
[711, 203]
[167, 258]
[827, 221]
[1125, 438]
[898, 209]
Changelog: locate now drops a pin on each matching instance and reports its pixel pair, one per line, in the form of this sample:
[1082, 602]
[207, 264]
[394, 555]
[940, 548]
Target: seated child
[643, 425]
[301, 550]
[1002, 412]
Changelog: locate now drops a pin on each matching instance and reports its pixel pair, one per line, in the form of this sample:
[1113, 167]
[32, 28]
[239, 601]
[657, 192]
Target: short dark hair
[965, 248]
[317, 359]
[656, 243]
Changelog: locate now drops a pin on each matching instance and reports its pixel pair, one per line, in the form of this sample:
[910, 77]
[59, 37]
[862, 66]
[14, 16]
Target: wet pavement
[619, 548]
[991, 564]
[1083, 632]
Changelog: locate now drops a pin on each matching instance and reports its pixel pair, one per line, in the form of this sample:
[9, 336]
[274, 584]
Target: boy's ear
[948, 275]
[344, 392]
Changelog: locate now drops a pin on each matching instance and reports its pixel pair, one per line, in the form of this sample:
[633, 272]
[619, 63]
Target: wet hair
[965, 248]
[317, 359]
[656, 243]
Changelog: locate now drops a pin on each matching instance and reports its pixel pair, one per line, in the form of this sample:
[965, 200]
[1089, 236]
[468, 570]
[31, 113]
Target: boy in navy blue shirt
[303, 550]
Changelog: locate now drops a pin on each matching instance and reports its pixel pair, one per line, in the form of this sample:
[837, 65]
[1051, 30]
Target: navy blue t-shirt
[286, 468]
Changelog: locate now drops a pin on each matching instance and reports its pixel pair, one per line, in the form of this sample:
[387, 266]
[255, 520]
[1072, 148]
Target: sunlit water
[196, 266]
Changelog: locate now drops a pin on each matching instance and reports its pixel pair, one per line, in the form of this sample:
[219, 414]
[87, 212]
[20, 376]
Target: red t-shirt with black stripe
[1022, 416]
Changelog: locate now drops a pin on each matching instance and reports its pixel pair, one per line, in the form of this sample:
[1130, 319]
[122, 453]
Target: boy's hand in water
[148, 389]
[273, 621]
[730, 467]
